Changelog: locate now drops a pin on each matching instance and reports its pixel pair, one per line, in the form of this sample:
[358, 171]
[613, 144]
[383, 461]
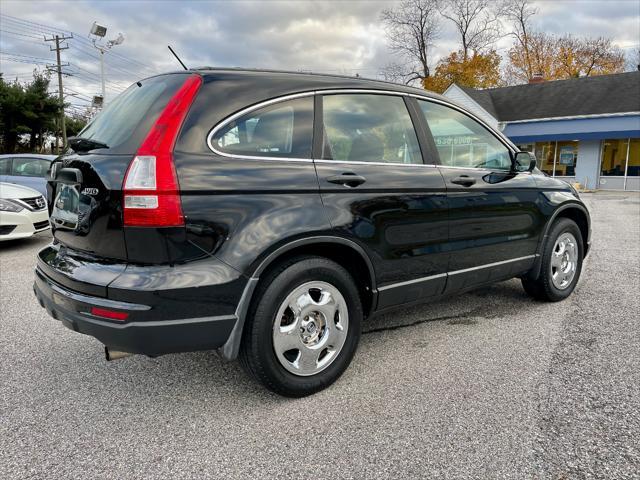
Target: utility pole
[57, 39]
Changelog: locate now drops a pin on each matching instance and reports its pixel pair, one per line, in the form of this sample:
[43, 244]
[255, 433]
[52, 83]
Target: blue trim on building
[574, 129]
[575, 136]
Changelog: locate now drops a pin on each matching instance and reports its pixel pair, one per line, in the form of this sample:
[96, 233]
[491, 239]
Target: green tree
[42, 110]
[74, 125]
[12, 101]
[26, 110]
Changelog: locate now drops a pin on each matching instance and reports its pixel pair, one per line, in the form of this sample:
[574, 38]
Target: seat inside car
[367, 147]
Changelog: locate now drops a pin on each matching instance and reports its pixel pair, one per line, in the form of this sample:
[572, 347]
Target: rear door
[379, 192]
[86, 199]
[494, 214]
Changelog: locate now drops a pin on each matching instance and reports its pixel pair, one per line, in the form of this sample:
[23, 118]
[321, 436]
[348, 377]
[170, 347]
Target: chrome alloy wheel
[564, 261]
[310, 328]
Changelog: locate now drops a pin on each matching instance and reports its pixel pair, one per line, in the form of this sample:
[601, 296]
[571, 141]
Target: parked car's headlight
[9, 206]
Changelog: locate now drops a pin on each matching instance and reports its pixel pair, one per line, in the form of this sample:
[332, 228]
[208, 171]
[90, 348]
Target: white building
[583, 130]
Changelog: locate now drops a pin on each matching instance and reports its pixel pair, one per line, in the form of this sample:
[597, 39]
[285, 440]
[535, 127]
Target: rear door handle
[348, 179]
[464, 180]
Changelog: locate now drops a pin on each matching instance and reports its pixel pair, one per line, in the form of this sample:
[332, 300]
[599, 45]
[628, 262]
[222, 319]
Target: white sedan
[23, 212]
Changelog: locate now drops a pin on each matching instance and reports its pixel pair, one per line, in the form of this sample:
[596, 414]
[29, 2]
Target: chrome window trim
[482, 169]
[334, 91]
[358, 162]
[455, 272]
[337, 91]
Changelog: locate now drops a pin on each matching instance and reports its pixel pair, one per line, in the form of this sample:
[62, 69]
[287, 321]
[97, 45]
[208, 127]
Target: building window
[614, 157]
[567, 158]
[525, 147]
[545, 156]
[633, 169]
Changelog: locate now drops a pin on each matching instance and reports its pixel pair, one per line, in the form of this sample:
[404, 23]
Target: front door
[494, 217]
[378, 191]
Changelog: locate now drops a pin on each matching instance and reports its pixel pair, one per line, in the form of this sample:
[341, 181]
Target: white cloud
[331, 36]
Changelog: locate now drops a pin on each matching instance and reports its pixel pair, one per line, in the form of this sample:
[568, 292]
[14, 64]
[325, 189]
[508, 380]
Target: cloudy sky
[329, 36]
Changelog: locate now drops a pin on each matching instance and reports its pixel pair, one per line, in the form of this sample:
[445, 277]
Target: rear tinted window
[284, 129]
[120, 118]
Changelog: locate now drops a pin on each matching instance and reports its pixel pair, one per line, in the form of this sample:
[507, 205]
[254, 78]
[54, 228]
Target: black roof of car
[601, 94]
[311, 80]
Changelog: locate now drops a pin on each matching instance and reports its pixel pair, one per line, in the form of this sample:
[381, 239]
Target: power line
[25, 56]
[33, 29]
[36, 26]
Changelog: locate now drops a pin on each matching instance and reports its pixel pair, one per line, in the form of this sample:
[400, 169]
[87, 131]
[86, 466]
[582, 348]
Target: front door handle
[348, 179]
[464, 180]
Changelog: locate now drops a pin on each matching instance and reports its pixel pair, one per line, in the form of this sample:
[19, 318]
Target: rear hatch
[86, 190]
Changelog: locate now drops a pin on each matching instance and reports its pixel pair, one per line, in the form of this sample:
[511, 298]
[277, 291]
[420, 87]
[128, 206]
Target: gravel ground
[486, 385]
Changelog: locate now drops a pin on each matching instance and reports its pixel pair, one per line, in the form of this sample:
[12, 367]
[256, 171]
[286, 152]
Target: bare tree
[411, 30]
[519, 12]
[477, 25]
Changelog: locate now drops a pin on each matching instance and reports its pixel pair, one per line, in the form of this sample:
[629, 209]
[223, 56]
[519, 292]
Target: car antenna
[176, 55]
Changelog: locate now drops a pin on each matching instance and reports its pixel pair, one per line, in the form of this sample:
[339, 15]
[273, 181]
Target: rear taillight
[151, 191]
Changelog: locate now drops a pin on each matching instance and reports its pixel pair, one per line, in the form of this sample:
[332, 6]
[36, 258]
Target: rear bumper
[150, 329]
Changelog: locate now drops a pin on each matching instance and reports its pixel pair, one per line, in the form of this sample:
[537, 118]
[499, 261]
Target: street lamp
[97, 33]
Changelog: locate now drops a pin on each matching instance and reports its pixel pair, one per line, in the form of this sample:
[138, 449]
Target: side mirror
[524, 162]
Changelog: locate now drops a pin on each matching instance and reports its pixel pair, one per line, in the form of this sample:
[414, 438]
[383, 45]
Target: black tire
[543, 288]
[257, 353]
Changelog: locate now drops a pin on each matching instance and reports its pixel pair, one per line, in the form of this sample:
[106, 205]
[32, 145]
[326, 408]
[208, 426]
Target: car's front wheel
[304, 327]
[562, 256]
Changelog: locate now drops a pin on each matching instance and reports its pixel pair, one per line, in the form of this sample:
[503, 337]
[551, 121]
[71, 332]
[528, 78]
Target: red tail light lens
[110, 314]
[151, 191]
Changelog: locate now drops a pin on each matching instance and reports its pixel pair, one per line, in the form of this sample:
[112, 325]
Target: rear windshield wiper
[80, 144]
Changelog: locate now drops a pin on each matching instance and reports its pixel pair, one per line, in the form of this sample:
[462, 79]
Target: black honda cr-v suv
[268, 214]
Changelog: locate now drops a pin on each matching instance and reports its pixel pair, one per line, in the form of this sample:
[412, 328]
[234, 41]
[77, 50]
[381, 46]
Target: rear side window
[282, 130]
[463, 142]
[120, 118]
[368, 128]
[30, 167]
[5, 166]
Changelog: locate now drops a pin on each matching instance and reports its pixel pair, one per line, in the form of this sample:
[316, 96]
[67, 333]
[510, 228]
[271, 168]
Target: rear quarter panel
[238, 209]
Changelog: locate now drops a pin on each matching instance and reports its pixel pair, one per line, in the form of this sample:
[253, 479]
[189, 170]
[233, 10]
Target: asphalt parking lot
[486, 385]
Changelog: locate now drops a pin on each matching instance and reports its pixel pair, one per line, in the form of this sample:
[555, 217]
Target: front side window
[463, 142]
[284, 129]
[368, 128]
[30, 167]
